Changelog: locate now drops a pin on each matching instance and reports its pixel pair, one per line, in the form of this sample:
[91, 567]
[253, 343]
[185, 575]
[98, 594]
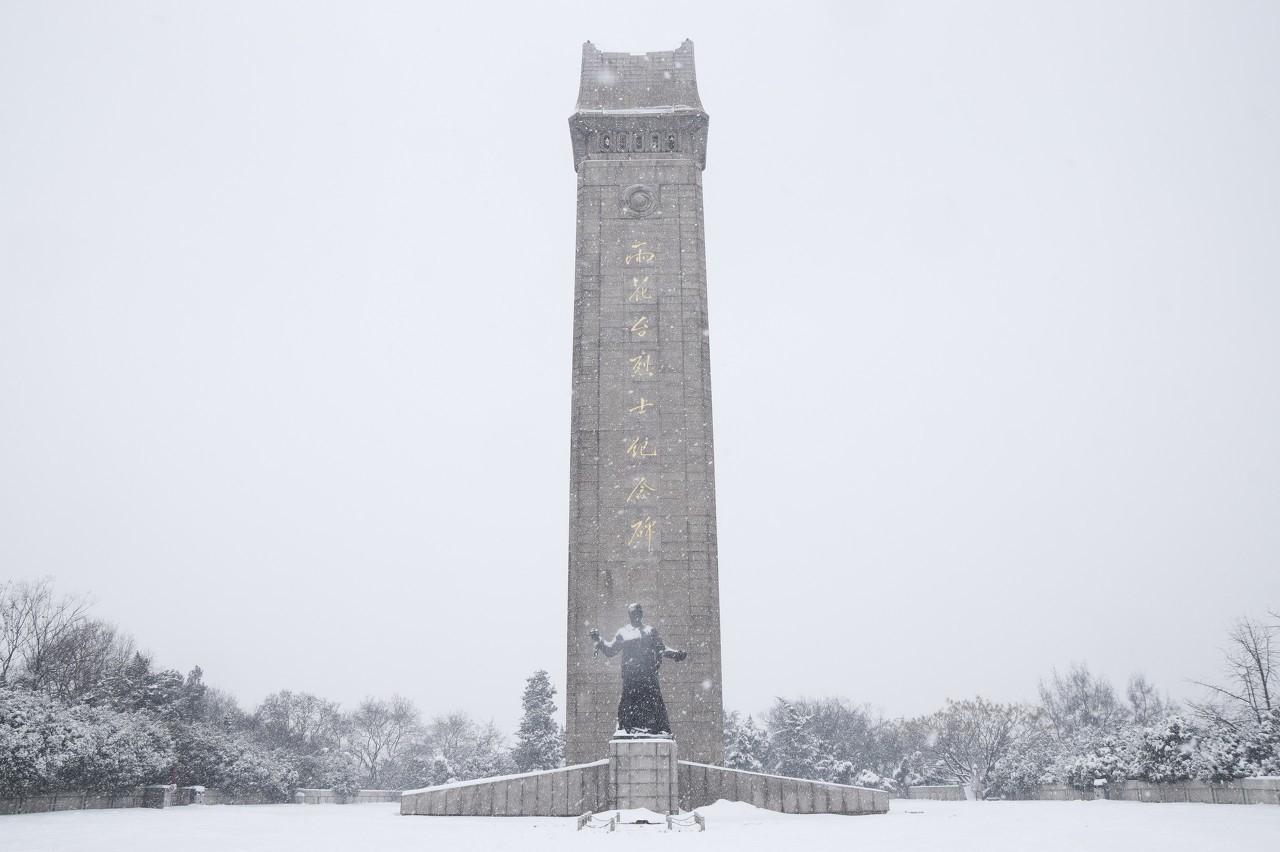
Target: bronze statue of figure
[641, 710]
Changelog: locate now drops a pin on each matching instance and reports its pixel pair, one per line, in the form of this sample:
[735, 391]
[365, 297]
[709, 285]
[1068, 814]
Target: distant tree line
[81, 708]
[1080, 732]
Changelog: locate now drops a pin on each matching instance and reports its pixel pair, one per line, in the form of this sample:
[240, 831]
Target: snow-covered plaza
[910, 826]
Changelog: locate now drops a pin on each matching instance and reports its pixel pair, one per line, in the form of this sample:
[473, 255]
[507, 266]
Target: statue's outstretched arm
[609, 648]
[671, 653]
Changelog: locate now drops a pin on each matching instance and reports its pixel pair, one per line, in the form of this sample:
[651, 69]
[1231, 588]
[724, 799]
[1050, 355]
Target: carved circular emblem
[640, 200]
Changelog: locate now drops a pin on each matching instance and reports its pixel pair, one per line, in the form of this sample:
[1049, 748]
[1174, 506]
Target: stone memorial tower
[642, 509]
[642, 505]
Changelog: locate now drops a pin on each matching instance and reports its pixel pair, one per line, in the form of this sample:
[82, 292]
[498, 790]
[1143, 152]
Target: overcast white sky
[286, 295]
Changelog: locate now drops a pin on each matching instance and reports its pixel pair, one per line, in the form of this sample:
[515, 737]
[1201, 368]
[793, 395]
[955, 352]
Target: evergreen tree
[746, 745]
[795, 748]
[539, 743]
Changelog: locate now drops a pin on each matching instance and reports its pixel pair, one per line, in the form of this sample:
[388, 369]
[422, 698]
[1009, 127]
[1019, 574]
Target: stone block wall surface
[702, 785]
[72, 801]
[158, 795]
[322, 796]
[1262, 791]
[192, 795]
[570, 791]
[1245, 791]
[938, 792]
[643, 773]
[1059, 793]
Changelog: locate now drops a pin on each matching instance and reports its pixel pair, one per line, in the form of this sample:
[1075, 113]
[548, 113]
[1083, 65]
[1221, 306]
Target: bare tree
[379, 729]
[1079, 701]
[1146, 707]
[1252, 671]
[13, 628]
[971, 737]
[85, 658]
[299, 720]
[33, 621]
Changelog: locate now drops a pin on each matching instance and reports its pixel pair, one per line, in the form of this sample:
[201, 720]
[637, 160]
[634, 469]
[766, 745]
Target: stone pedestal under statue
[643, 774]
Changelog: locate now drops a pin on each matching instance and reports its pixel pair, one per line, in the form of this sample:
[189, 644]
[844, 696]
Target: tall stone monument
[642, 507]
[642, 512]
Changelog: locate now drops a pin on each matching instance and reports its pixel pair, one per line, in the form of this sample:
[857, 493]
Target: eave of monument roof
[661, 110]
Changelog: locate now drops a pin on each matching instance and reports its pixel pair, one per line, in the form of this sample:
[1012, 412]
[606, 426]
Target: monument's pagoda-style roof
[663, 81]
[639, 93]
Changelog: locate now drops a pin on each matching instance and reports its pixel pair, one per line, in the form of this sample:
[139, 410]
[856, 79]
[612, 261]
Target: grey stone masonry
[571, 791]
[1242, 791]
[702, 785]
[158, 795]
[643, 774]
[642, 511]
[324, 796]
[937, 792]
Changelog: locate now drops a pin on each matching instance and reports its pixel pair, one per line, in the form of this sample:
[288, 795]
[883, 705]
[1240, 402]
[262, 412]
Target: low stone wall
[221, 797]
[313, 796]
[571, 791]
[702, 784]
[1059, 793]
[1245, 791]
[151, 796]
[937, 792]
[72, 801]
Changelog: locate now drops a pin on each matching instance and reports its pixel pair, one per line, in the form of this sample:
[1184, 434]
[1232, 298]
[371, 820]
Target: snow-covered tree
[974, 736]
[378, 730]
[1105, 757]
[746, 745]
[46, 746]
[1165, 753]
[300, 721]
[794, 748]
[233, 761]
[539, 742]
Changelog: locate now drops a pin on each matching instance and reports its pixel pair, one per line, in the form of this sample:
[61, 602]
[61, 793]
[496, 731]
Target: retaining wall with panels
[702, 785]
[72, 802]
[571, 791]
[937, 792]
[163, 795]
[1245, 791]
[317, 796]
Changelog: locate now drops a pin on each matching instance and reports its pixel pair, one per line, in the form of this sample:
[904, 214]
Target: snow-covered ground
[910, 826]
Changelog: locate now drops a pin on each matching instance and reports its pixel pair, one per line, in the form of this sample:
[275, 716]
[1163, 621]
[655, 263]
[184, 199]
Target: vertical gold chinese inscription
[642, 534]
[638, 448]
[639, 255]
[641, 365]
[639, 289]
[641, 491]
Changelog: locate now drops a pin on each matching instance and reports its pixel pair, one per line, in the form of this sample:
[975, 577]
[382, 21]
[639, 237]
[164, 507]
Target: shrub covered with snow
[48, 746]
[234, 762]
